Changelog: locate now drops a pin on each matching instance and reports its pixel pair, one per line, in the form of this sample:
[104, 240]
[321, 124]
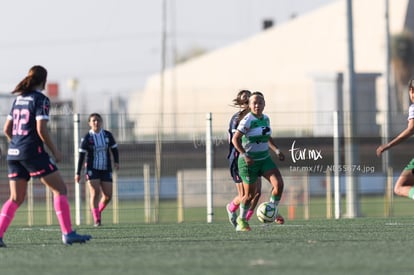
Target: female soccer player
[96, 144]
[241, 101]
[252, 140]
[26, 130]
[404, 186]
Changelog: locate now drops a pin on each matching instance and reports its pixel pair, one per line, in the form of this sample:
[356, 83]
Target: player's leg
[61, 204]
[255, 199]
[106, 187]
[405, 184]
[234, 205]
[58, 187]
[18, 189]
[18, 177]
[249, 175]
[249, 190]
[94, 197]
[276, 180]
[272, 174]
[235, 202]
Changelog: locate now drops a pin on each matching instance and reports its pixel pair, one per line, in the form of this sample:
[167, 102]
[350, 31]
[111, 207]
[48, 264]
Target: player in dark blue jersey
[96, 146]
[26, 130]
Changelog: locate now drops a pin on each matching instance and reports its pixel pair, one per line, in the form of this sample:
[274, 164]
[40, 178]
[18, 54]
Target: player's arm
[42, 131]
[275, 149]
[409, 131]
[114, 149]
[115, 154]
[79, 166]
[8, 128]
[236, 140]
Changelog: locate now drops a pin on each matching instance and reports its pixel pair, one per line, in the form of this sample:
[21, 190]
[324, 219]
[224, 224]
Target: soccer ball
[266, 212]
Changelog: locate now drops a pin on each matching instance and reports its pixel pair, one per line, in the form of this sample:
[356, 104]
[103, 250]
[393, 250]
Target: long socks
[249, 214]
[243, 210]
[62, 210]
[275, 199]
[102, 206]
[97, 212]
[233, 207]
[7, 214]
[96, 215]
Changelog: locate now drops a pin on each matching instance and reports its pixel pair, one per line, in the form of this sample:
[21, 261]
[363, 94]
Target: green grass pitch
[318, 246]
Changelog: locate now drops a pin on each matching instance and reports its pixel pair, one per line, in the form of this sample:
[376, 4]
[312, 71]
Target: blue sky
[111, 47]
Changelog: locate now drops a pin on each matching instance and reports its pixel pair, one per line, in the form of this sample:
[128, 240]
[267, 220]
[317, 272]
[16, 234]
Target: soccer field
[348, 246]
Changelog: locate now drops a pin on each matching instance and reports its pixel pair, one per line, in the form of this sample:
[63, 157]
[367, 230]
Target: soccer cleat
[279, 219]
[73, 237]
[2, 244]
[97, 223]
[242, 225]
[232, 216]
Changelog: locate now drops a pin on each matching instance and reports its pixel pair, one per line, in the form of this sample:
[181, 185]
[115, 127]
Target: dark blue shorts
[234, 171]
[25, 169]
[103, 175]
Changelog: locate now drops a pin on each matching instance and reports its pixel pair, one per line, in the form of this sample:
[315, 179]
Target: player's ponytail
[37, 76]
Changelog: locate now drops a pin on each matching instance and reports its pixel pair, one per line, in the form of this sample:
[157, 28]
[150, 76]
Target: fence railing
[308, 172]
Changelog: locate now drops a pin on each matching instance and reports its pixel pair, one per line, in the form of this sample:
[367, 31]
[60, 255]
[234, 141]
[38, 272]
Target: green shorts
[410, 165]
[249, 174]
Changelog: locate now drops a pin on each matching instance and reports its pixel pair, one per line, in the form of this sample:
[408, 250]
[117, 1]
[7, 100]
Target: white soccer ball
[266, 212]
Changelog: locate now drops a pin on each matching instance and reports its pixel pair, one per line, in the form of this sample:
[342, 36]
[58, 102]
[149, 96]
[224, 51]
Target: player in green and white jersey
[253, 140]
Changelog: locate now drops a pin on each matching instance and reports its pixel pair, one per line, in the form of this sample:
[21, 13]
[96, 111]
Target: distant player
[404, 186]
[253, 140]
[97, 145]
[26, 130]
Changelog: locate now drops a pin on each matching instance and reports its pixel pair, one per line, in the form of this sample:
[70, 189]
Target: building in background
[298, 65]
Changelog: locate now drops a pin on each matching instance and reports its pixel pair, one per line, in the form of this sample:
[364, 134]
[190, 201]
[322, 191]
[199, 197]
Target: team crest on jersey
[265, 130]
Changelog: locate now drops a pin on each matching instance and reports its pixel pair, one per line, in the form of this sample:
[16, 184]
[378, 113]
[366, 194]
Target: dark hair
[238, 100]
[257, 93]
[411, 84]
[37, 76]
[95, 115]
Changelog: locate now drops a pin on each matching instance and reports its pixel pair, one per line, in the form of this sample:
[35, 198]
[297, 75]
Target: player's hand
[77, 178]
[380, 150]
[249, 161]
[281, 156]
